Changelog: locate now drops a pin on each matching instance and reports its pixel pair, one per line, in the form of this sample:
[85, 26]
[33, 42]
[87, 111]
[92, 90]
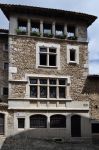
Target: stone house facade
[51, 94]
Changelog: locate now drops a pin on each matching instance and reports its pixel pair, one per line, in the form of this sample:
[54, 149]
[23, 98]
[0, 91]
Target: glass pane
[1, 124]
[43, 49]
[52, 50]
[43, 81]
[62, 81]
[43, 92]
[33, 91]
[52, 60]
[58, 121]
[38, 121]
[43, 59]
[52, 92]
[72, 54]
[21, 122]
[62, 92]
[52, 81]
[33, 81]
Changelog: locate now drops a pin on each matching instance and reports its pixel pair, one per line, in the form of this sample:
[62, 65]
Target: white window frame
[2, 91]
[76, 48]
[48, 45]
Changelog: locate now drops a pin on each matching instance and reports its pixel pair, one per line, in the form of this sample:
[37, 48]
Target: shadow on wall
[52, 138]
[91, 85]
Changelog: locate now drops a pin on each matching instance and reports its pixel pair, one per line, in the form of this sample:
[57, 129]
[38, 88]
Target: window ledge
[43, 99]
[49, 67]
[72, 62]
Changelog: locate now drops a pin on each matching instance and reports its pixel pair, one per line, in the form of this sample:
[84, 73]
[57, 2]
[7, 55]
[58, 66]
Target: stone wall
[23, 56]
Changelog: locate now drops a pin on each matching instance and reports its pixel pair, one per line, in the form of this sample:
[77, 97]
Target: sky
[85, 6]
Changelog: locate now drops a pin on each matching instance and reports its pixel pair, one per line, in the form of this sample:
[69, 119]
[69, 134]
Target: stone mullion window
[53, 88]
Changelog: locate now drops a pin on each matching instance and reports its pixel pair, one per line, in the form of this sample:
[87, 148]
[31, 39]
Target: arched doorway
[1, 124]
[76, 126]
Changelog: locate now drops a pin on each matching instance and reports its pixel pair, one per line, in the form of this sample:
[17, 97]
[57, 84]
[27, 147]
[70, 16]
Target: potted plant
[21, 32]
[35, 33]
[50, 35]
[63, 36]
[72, 38]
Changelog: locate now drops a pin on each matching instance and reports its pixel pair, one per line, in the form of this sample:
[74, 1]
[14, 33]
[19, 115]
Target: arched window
[58, 121]
[38, 121]
[1, 124]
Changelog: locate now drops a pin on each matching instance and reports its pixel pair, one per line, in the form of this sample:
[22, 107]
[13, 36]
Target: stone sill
[57, 39]
[25, 81]
[49, 108]
[40, 99]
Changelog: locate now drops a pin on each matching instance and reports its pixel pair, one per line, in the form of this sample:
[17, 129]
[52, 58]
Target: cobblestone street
[37, 144]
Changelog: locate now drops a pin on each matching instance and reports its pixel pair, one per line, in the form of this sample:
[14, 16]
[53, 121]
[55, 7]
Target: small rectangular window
[47, 56]
[5, 48]
[5, 66]
[5, 91]
[72, 55]
[21, 122]
[95, 128]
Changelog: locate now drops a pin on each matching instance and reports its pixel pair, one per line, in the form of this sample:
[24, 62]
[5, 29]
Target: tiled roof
[48, 12]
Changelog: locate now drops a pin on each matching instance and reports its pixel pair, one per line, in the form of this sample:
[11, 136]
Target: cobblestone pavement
[37, 144]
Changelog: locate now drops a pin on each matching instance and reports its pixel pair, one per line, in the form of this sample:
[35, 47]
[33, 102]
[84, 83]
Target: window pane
[43, 81]
[52, 60]
[6, 66]
[52, 81]
[43, 92]
[33, 81]
[58, 121]
[33, 91]
[5, 91]
[61, 92]
[43, 49]
[62, 82]
[52, 92]
[95, 127]
[72, 54]
[52, 50]
[1, 124]
[38, 121]
[43, 59]
[21, 122]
